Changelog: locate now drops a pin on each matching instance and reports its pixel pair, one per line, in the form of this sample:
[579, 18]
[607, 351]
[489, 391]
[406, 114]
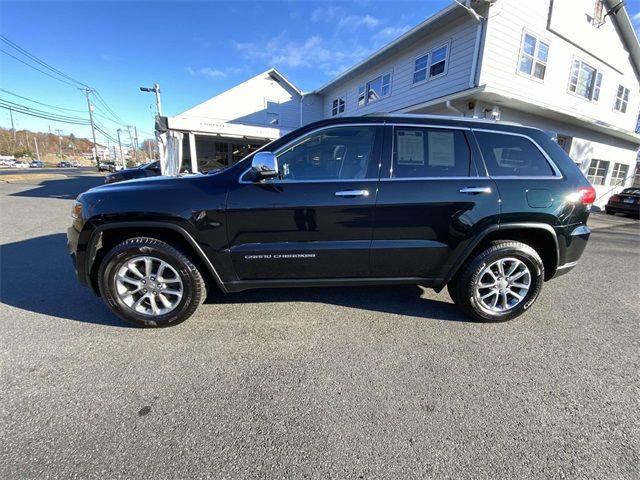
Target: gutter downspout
[302, 95]
[449, 106]
[476, 53]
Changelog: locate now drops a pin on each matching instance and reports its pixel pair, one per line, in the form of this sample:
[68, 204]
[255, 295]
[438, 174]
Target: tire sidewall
[114, 262]
[534, 265]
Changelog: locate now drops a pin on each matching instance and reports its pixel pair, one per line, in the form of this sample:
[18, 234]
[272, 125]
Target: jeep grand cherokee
[490, 210]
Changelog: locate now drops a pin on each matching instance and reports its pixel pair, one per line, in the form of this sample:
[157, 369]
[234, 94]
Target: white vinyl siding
[585, 80]
[622, 99]
[533, 56]
[459, 36]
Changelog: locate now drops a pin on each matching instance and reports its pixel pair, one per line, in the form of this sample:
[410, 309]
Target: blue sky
[194, 50]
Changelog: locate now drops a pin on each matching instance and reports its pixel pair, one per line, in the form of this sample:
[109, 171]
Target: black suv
[490, 210]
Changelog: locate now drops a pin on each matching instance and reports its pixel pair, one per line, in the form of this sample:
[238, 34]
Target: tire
[183, 289]
[609, 211]
[468, 287]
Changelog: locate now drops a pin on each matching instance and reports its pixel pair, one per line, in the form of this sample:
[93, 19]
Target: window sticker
[441, 149]
[410, 147]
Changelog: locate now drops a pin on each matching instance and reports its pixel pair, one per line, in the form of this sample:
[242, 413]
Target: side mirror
[264, 165]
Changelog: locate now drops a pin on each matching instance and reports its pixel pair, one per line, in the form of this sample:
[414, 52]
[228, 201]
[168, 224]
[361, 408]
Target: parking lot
[375, 382]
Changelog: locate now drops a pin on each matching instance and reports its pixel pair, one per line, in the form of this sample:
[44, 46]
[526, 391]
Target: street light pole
[35, 140]
[156, 90]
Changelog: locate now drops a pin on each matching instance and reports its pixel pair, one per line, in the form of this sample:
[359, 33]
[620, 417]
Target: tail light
[614, 198]
[587, 195]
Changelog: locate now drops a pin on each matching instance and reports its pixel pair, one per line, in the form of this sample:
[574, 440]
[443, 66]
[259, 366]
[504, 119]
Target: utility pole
[87, 92]
[13, 128]
[35, 140]
[60, 142]
[132, 144]
[120, 146]
[135, 130]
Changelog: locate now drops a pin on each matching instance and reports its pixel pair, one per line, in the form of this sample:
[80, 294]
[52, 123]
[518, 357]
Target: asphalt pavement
[375, 382]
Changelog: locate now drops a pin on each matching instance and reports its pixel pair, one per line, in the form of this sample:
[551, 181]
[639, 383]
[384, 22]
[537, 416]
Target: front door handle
[475, 190]
[352, 193]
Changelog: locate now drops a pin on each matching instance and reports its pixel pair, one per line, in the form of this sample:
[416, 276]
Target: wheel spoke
[131, 281]
[132, 267]
[520, 285]
[513, 268]
[503, 298]
[154, 305]
[501, 267]
[514, 294]
[139, 301]
[147, 266]
[487, 295]
[519, 274]
[165, 301]
[487, 285]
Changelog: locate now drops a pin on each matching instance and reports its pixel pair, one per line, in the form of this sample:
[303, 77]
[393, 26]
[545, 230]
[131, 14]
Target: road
[66, 171]
[384, 383]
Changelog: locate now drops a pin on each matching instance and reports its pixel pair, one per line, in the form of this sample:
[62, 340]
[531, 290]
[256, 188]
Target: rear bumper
[572, 244]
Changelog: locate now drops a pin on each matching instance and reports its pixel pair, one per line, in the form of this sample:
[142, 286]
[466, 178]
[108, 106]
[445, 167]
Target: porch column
[192, 150]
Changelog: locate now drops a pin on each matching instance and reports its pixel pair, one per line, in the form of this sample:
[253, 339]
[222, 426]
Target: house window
[438, 62]
[597, 172]
[585, 80]
[377, 88]
[622, 99]
[273, 118]
[420, 68]
[361, 101]
[533, 57]
[337, 106]
[619, 174]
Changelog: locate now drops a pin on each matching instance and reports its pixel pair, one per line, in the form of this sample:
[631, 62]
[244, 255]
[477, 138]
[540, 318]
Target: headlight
[76, 210]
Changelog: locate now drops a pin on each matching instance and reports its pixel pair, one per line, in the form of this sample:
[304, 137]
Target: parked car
[148, 170]
[75, 164]
[64, 165]
[21, 164]
[627, 201]
[489, 210]
[36, 164]
[107, 167]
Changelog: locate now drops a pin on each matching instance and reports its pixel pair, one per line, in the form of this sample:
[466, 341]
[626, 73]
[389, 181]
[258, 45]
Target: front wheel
[149, 283]
[499, 283]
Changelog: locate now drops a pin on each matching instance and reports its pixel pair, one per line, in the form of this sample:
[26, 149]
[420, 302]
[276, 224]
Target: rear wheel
[609, 211]
[499, 283]
[150, 283]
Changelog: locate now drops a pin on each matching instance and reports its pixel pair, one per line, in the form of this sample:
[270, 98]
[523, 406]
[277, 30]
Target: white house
[565, 66]
[229, 126]
[570, 67]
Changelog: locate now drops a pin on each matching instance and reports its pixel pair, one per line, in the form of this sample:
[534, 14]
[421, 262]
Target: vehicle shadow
[37, 275]
[407, 300]
[67, 188]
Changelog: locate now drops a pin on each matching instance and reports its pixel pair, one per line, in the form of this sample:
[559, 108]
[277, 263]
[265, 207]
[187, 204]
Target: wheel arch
[539, 236]
[105, 237]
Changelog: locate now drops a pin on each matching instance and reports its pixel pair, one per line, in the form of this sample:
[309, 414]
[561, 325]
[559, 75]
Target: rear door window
[429, 152]
[512, 156]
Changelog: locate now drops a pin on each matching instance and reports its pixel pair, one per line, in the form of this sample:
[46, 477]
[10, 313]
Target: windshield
[631, 191]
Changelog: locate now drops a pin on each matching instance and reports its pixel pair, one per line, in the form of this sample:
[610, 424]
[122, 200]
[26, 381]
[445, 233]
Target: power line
[39, 61]
[36, 68]
[40, 103]
[16, 107]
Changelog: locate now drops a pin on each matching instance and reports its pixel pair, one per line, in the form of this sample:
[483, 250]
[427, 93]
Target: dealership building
[570, 67]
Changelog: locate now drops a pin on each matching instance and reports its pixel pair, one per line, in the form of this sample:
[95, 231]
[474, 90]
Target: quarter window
[533, 57]
[340, 153]
[597, 173]
[429, 152]
[622, 99]
[512, 156]
[585, 80]
[619, 175]
[420, 68]
[337, 106]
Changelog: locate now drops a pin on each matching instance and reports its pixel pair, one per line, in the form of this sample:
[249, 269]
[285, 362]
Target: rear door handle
[475, 190]
[352, 193]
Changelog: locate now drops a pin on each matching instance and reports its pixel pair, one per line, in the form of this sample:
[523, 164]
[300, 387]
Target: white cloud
[635, 17]
[325, 13]
[389, 33]
[206, 72]
[353, 22]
